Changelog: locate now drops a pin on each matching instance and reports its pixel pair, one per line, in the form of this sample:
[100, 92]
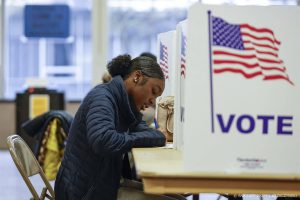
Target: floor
[12, 186]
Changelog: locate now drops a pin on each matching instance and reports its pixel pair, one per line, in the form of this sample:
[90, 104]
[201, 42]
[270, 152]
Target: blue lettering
[225, 128]
[283, 122]
[251, 124]
[265, 122]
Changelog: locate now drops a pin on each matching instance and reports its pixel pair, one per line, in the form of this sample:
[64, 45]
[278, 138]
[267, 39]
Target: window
[134, 24]
[66, 63]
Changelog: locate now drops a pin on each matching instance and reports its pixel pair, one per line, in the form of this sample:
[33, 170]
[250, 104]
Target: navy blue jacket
[105, 127]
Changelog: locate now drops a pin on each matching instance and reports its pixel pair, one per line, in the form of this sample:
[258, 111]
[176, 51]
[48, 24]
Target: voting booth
[166, 43]
[236, 88]
[180, 76]
[241, 90]
[166, 46]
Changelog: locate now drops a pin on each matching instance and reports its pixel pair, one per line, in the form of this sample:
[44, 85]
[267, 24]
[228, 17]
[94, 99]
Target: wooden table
[162, 172]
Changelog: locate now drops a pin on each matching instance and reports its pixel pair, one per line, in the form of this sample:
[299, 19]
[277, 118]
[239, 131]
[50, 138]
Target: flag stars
[225, 34]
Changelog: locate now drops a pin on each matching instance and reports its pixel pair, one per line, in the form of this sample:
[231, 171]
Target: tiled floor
[12, 186]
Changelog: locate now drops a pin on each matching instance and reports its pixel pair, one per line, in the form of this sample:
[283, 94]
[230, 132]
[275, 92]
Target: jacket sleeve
[102, 134]
[146, 136]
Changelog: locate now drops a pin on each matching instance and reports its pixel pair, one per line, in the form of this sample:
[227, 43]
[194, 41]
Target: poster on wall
[38, 104]
[166, 43]
[180, 75]
[242, 90]
[49, 21]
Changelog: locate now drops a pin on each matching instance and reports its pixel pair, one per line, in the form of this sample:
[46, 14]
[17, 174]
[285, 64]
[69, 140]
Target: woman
[106, 126]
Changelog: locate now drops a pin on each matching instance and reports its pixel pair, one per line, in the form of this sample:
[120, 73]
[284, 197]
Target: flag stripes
[183, 55]
[163, 59]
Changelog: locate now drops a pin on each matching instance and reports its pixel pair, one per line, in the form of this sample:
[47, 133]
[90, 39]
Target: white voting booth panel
[180, 75]
[242, 90]
[166, 43]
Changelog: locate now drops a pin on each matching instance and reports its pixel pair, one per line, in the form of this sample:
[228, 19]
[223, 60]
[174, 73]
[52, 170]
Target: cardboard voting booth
[242, 90]
[166, 43]
[180, 75]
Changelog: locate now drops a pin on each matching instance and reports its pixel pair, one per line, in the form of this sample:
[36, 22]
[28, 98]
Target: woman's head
[143, 78]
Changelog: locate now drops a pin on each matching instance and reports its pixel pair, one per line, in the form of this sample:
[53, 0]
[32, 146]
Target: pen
[155, 123]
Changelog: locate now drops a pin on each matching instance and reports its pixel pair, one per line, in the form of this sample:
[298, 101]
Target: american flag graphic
[246, 50]
[163, 59]
[183, 55]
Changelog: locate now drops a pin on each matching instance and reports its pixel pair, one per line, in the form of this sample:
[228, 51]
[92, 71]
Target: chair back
[28, 166]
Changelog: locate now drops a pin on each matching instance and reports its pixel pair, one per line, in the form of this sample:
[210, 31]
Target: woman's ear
[137, 76]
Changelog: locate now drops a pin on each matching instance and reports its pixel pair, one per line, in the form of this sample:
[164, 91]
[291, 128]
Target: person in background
[106, 126]
[106, 77]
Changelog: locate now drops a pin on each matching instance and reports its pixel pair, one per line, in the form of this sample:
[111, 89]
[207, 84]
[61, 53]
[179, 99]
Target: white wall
[100, 41]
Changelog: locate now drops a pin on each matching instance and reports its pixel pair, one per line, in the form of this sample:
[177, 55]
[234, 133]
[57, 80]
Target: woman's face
[146, 90]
